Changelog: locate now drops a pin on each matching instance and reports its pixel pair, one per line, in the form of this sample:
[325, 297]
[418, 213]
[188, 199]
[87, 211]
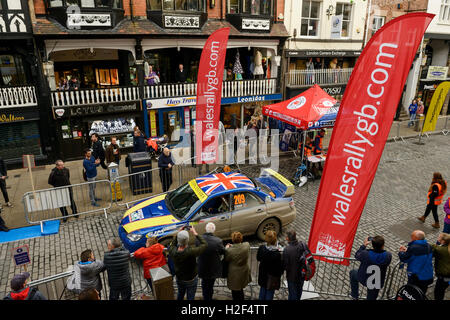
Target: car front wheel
[269, 224]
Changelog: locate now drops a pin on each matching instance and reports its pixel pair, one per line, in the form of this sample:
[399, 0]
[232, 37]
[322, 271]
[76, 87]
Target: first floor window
[377, 23]
[310, 18]
[444, 12]
[345, 9]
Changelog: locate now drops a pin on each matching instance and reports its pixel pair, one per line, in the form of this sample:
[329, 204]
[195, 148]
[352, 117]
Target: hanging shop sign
[437, 73]
[322, 53]
[94, 109]
[191, 101]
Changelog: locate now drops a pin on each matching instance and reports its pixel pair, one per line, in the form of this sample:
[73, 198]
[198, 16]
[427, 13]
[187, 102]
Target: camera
[369, 238]
[187, 228]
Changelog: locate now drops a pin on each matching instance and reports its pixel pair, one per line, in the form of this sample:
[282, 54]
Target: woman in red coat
[152, 256]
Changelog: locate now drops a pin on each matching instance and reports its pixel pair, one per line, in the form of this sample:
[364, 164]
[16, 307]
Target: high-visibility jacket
[318, 144]
[439, 198]
[308, 149]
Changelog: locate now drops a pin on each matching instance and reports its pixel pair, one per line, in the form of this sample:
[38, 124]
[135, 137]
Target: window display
[112, 126]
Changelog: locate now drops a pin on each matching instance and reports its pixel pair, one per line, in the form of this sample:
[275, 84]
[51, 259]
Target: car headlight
[134, 237]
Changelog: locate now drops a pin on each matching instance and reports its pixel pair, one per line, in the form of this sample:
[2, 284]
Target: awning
[311, 109]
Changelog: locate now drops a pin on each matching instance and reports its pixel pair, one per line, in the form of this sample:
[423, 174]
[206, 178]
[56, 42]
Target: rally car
[233, 201]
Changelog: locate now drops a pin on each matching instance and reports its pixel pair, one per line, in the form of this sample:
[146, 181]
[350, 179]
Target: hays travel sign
[191, 101]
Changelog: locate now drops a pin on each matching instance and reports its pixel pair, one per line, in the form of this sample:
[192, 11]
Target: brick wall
[215, 13]
[39, 7]
[279, 9]
[139, 8]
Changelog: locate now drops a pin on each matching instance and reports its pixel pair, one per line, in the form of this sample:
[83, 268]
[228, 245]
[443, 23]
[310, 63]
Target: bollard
[113, 174]
[162, 283]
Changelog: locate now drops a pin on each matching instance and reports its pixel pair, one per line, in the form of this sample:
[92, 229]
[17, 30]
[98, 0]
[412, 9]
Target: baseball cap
[18, 280]
[183, 237]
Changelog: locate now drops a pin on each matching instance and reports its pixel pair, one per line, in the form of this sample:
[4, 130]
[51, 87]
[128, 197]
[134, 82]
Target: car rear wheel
[269, 224]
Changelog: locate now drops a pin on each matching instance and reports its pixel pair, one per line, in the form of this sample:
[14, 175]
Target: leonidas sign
[359, 135]
[209, 93]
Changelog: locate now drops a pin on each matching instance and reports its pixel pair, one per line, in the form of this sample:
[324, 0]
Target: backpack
[307, 263]
[74, 281]
[30, 295]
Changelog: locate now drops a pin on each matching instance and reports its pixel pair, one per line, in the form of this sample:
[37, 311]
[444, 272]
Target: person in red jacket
[152, 256]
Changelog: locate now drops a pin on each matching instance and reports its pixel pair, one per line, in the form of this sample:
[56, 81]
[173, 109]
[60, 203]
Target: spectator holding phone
[184, 258]
[372, 270]
[419, 257]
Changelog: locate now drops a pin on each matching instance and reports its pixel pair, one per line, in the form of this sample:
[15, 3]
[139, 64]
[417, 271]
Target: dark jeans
[372, 294]
[166, 178]
[125, 293]
[237, 295]
[446, 228]
[187, 287]
[433, 208]
[265, 294]
[422, 284]
[149, 281]
[295, 290]
[208, 288]
[72, 205]
[439, 289]
[3, 188]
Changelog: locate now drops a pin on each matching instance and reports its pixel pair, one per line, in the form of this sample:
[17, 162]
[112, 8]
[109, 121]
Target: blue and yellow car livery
[162, 215]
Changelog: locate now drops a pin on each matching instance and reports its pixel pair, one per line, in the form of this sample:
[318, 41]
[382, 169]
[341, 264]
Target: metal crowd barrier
[401, 130]
[45, 205]
[330, 280]
[49, 204]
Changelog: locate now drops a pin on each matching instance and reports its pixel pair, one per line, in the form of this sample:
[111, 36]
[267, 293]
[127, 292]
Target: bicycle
[301, 176]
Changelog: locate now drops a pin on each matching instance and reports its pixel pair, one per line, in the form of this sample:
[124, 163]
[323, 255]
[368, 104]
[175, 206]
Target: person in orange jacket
[435, 195]
[152, 256]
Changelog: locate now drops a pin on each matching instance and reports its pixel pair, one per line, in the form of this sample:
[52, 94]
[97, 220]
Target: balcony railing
[94, 96]
[229, 89]
[11, 97]
[165, 90]
[319, 76]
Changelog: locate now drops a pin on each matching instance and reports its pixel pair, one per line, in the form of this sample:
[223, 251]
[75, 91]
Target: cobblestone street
[397, 197]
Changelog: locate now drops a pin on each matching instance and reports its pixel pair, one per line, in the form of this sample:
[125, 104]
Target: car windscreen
[181, 201]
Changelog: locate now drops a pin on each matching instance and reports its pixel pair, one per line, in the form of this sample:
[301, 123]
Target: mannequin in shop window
[258, 72]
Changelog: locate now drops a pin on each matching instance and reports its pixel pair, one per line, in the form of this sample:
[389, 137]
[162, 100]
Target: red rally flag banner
[209, 94]
[362, 125]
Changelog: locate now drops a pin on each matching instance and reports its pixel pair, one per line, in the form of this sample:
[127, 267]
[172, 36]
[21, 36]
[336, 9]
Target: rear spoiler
[280, 186]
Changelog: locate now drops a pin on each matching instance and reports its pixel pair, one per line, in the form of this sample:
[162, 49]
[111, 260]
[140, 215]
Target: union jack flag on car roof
[218, 182]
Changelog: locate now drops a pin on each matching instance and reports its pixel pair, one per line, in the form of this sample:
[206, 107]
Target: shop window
[233, 6]
[178, 5]
[310, 18]
[154, 5]
[116, 4]
[107, 77]
[345, 9]
[56, 3]
[11, 71]
[377, 23]
[256, 7]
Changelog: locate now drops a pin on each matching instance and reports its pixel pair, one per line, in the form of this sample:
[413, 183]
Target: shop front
[426, 91]
[76, 124]
[19, 132]
[165, 116]
[168, 116]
